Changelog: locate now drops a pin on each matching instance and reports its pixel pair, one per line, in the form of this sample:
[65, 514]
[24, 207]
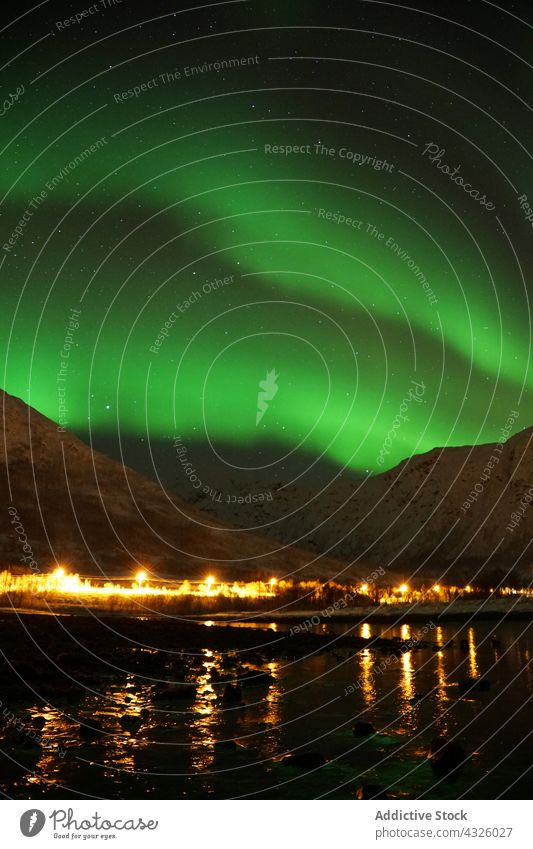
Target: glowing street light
[59, 572]
[436, 588]
[209, 583]
[404, 589]
[141, 577]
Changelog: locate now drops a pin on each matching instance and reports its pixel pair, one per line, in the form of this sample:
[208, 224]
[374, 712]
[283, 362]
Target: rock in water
[480, 684]
[446, 756]
[305, 760]
[176, 692]
[363, 729]
[91, 732]
[232, 693]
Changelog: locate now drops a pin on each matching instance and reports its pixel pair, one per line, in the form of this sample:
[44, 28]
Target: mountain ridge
[77, 507]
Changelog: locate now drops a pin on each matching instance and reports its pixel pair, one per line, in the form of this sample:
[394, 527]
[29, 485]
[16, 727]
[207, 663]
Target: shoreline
[461, 610]
[512, 608]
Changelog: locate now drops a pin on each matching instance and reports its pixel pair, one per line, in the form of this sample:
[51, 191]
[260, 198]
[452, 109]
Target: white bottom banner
[264, 824]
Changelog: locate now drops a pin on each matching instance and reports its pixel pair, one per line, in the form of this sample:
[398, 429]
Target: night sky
[335, 194]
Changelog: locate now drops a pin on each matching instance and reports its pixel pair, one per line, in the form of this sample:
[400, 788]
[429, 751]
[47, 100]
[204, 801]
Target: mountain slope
[78, 507]
[449, 511]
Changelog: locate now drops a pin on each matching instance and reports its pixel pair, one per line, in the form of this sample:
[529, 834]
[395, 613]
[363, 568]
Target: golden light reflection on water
[204, 684]
[273, 697]
[259, 727]
[407, 683]
[441, 696]
[47, 770]
[365, 631]
[405, 632]
[366, 676]
[204, 713]
[473, 668]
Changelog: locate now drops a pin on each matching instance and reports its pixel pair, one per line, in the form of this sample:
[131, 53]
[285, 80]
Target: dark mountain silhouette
[80, 508]
[462, 512]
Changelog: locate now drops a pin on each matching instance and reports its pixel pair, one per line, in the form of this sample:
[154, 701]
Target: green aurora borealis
[182, 192]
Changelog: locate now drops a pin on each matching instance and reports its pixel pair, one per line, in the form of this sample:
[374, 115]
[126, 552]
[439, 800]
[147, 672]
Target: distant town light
[141, 577]
[59, 572]
[364, 588]
[436, 588]
[404, 588]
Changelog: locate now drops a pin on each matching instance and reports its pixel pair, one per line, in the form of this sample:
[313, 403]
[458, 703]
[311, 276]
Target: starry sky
[325, 205]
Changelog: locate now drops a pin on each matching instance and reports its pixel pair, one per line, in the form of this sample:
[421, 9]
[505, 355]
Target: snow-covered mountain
[454, 511]
[66, 503]
[460, 512]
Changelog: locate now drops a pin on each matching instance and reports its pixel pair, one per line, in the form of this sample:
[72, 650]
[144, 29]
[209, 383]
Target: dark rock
[480, 684]
[363, 729]
[130, 723]
[446, 756]
[28, 739]
[176, 692]
[305, 760]
[232, 693]
[252, 678]
[90, 730]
